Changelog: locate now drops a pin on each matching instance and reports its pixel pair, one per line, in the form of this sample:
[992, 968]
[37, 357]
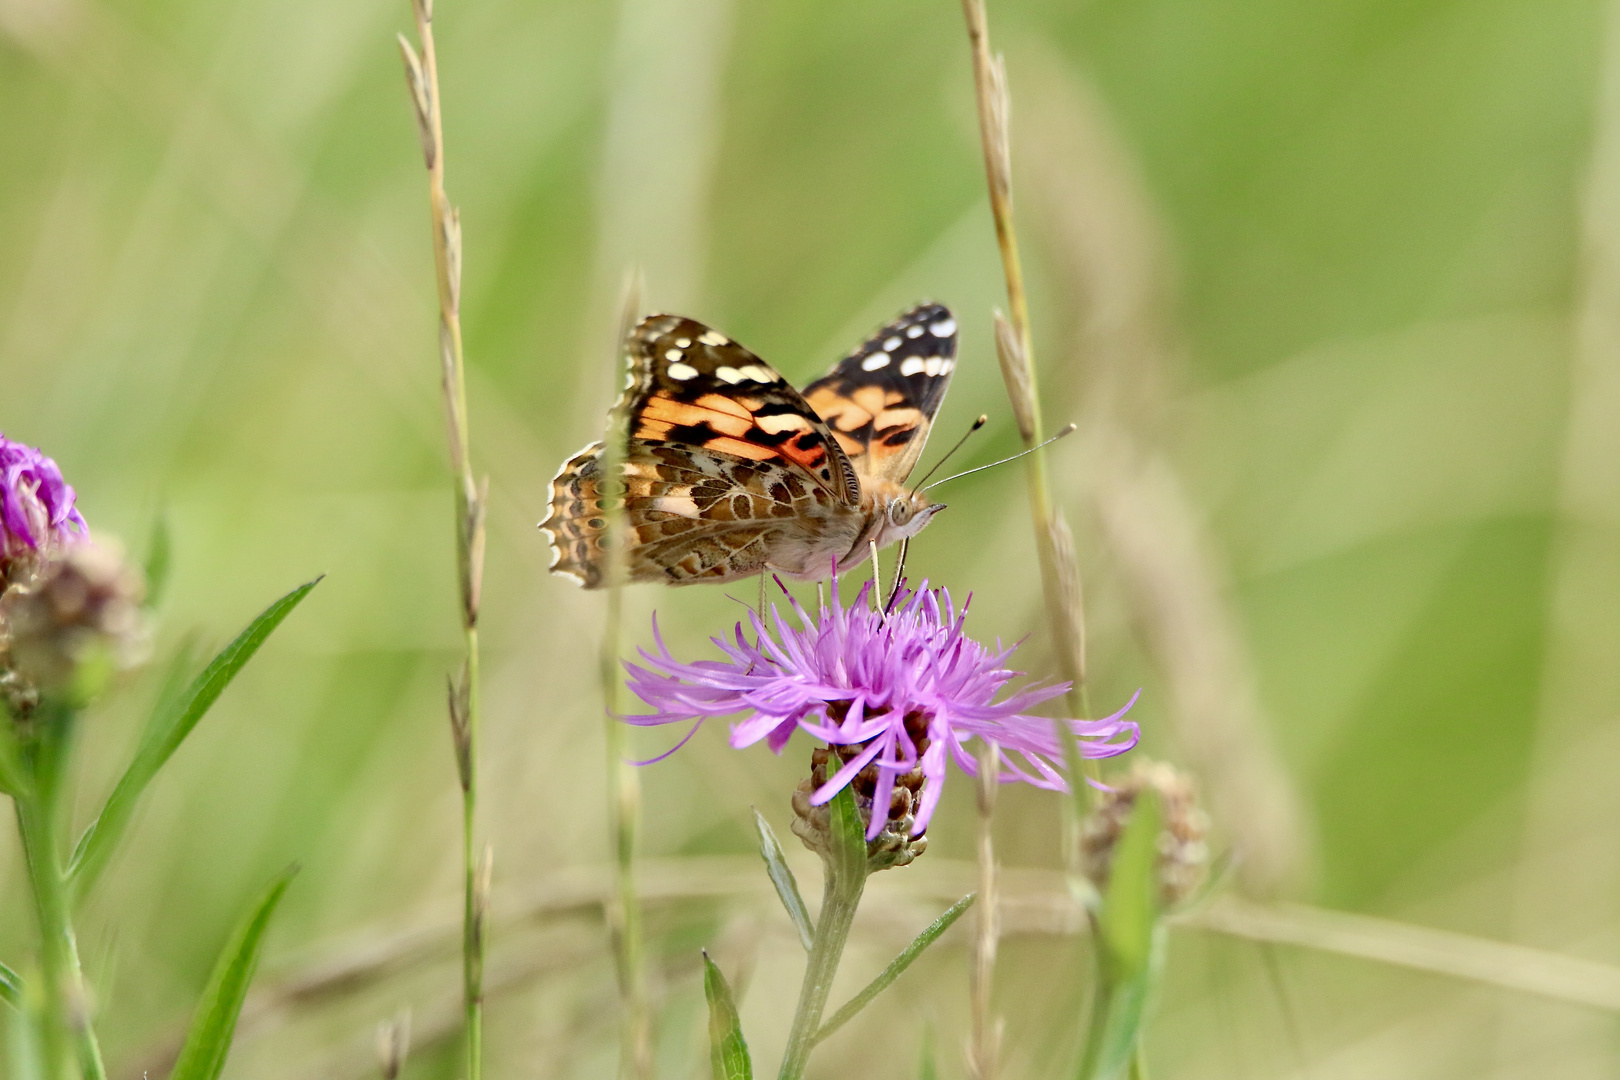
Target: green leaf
[13, 781]
[208, 1040]
[787, 886]
[728, 1051]
[11, 987]
[1131, 905]
[896, 966]
[174, 719]
[158, 553]
[848, 836]
[1130, 944]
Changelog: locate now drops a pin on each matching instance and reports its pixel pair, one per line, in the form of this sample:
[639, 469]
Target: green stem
[841, 895]
[66, 1007]
[1097, 1026]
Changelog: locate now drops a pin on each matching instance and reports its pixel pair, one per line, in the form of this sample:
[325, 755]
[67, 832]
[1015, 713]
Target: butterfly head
[902, 514]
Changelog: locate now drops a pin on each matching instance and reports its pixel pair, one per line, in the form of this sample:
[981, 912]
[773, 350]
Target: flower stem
[841, 895]
[66, 1008]
[982, 1047]
[623, 909]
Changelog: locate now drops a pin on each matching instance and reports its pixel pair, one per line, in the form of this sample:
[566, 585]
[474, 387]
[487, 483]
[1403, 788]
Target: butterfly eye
[899, 512]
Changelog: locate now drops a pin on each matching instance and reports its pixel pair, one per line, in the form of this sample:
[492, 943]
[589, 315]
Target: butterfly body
[729, 471]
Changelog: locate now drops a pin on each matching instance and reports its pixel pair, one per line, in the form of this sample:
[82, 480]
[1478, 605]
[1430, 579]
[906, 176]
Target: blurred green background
[1332, 288]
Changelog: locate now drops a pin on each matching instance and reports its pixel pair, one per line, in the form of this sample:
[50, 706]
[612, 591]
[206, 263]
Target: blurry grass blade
[12, 780]
[1124, 1008]
[897, 966]
[158, 553]
[11, 987]
[728, 1050]
[209, 1039]
[926, 1069]
[174, 719]
[22, 1048]
[787, 886]
[1130, 907]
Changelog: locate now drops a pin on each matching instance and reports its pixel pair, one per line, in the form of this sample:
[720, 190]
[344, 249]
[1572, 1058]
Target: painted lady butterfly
[730, 471]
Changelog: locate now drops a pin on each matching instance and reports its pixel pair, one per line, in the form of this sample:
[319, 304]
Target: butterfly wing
[727, 469]
[880, 400]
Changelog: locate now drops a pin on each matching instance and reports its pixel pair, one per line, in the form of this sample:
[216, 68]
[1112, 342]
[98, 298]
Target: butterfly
[729, 471]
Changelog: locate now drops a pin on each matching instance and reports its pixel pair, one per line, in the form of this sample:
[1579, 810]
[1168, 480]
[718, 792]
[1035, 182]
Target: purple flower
[36, 504]
[909, 687]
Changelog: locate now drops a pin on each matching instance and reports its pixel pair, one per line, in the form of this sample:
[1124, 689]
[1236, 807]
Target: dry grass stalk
[1016, 348]
[985, 1037]
[422, 81]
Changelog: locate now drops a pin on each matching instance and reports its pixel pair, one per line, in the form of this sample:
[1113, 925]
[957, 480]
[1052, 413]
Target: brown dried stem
[422, 80]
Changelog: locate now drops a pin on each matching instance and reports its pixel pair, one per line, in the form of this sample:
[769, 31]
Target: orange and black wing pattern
[727, 470]
[880, 400]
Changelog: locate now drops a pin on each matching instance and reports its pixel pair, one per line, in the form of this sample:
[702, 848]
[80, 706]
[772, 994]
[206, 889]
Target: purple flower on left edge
[37, 510]
[908, 687]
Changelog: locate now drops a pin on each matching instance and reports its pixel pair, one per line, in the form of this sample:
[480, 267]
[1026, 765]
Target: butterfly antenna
[977, 424]
[1068, 430]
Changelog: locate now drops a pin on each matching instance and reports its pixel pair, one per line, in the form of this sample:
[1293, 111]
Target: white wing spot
[683, 343]
[934, 365]
[728, 374]
[629, 379]
[875, 361]
[781, 422]
[679, 505]
[755, 373]
[911, 365]
[914, 331]
[682, 371]
[892, 344]
[943, 328]
[709, 337]
[946, 367]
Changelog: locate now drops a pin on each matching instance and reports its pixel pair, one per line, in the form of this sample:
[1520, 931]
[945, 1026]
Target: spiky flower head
[37, 511]
[1183, 851]
[893, 694]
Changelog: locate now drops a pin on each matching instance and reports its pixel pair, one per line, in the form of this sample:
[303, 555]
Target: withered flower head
[1183, 853]
[79, 607]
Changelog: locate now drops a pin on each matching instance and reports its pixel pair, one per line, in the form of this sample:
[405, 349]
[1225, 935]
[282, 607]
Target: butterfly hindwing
[880, 400]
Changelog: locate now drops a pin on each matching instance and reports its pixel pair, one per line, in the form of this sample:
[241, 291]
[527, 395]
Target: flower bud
[76, 618]
[1183, 851]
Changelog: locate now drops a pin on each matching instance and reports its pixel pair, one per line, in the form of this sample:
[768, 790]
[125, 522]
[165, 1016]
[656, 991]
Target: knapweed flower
[37, 513]
[81, 605]
[893, 695]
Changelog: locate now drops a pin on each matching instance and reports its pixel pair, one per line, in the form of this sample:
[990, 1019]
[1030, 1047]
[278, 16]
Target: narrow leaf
[1130, 908]
[848, 835]
[13, 782]
[787, 886]
[896, 966]
[174, 719]
[926, 1070]
[728, 1051]
[1126, 1005]
[158, 551]
[11, 987]
[208, 1040]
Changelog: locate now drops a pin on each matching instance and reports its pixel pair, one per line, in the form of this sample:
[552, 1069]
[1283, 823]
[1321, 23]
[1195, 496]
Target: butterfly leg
[877, 578]
[762, 594]
[899, 573]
